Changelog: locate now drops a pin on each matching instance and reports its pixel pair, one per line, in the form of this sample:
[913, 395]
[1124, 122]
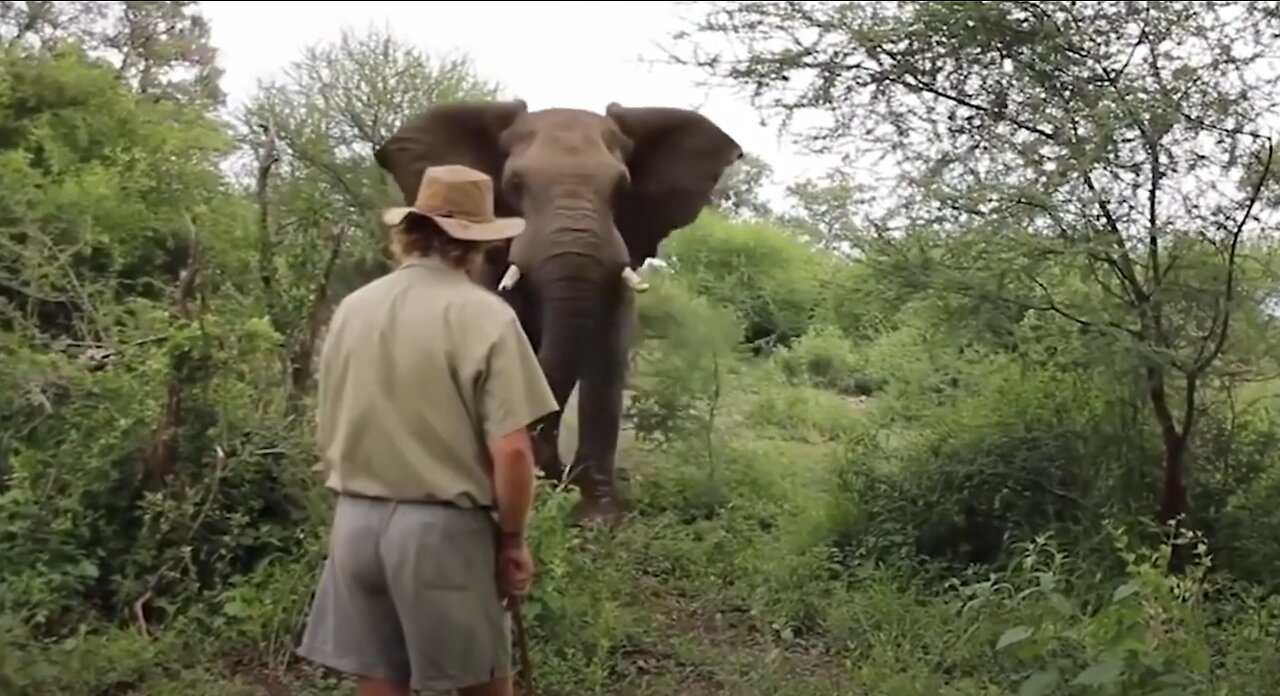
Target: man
[427, 384]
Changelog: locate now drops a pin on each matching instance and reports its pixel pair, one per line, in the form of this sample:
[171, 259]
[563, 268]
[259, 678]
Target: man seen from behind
[427, 384]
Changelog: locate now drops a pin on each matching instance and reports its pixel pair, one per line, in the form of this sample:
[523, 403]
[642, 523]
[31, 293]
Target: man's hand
[515, 570]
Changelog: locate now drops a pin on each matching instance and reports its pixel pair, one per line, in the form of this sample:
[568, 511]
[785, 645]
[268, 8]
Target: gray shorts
[409, 593]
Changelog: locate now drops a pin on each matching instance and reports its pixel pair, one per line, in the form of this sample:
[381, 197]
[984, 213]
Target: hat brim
[494, 230]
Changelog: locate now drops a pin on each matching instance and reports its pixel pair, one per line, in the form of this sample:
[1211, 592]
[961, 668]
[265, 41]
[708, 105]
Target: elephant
[599, 193]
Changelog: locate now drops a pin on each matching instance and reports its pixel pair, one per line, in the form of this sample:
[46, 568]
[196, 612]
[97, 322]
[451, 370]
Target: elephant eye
[513, 186]
[621, 186]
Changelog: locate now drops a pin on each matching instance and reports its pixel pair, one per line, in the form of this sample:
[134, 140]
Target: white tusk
[633, 280]
[509, 278]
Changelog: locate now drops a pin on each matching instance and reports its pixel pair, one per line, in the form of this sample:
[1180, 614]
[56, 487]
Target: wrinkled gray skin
[599, 193]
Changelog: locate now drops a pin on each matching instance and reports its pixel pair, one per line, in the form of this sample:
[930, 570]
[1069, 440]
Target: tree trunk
[162, 455]
[1174, 501]
[305, 346]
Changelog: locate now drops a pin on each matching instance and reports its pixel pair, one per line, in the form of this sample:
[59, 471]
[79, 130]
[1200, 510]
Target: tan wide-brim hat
[460, 200]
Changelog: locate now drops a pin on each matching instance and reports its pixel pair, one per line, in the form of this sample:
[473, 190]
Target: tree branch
[162, 459]
[1204, 360]
[268, 156]
[304, 351]
[140, 604]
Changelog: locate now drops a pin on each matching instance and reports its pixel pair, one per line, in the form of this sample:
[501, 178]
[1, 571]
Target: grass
[666, 604]
[721, 583]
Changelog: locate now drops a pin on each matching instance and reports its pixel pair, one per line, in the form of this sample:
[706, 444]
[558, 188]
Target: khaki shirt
[420, 371]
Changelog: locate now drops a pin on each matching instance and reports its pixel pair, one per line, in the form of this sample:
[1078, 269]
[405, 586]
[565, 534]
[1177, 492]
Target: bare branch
[304, 351]
[268, 156]
[1228, 294]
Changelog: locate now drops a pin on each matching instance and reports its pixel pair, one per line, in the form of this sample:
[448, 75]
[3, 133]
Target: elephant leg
[599, 425]
[545, 433]
[567, 438]
[546, 454]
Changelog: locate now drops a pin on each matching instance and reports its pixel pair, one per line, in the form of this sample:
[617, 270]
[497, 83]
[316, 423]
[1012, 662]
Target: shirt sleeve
[512, 391]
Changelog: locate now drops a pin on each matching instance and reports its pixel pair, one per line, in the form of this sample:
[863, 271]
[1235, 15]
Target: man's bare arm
[513, 394]
[513, 482]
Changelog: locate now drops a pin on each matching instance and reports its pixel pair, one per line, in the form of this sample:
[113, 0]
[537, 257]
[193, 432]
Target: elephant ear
[465, 132]
[677, 157]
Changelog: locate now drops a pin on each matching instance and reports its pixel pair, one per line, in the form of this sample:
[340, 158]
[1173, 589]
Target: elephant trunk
[580, 282]
[574, 290]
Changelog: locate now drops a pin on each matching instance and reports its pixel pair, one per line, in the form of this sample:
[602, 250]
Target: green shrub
[922, 360]
[1052, 626]
[1026, 451]
[858, 302]
[804, 414]
[688, 346]
[1236, 479]
[771, 279]
[85, 530]
[824, 358]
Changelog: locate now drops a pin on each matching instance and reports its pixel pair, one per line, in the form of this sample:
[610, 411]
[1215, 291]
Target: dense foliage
[918, 448]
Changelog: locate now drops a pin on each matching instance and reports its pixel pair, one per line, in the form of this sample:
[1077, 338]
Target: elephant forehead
[565, 167]
[569, 132]
[560, 117]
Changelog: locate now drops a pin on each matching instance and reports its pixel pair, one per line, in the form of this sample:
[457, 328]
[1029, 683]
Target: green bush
[771, 279]
[1052, 626]
[688, 346]
[1026, 451]
[1236, 475]
[83, 529]
[803, 414]
[858, 302]
[823, 358]
[150, 455]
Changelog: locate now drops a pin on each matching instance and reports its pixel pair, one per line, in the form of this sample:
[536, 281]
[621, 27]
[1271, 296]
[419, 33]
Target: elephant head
[599, 192]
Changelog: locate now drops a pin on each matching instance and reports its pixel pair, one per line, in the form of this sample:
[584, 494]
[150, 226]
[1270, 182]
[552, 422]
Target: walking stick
[522, 644]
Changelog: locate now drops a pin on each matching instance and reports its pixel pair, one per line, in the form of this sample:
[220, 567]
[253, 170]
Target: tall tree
[311, 135]
[162, 49]
[738, 195]
[123, 336]
[826, 210]
[1102, 162]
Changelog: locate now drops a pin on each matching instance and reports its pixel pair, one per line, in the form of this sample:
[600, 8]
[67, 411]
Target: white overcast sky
[569, 54]
[573, 54]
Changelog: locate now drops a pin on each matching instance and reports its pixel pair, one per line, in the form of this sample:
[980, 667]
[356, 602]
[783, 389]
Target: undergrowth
[753, 563]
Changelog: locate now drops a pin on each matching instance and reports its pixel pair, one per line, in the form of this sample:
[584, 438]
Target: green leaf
[1100, 673]
[86, 569]
[1124, 591]
[1061, 604]
[1017, 634]
[1040, 683]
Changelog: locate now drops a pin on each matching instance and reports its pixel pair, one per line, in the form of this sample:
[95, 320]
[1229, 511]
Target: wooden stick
[522, 644]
